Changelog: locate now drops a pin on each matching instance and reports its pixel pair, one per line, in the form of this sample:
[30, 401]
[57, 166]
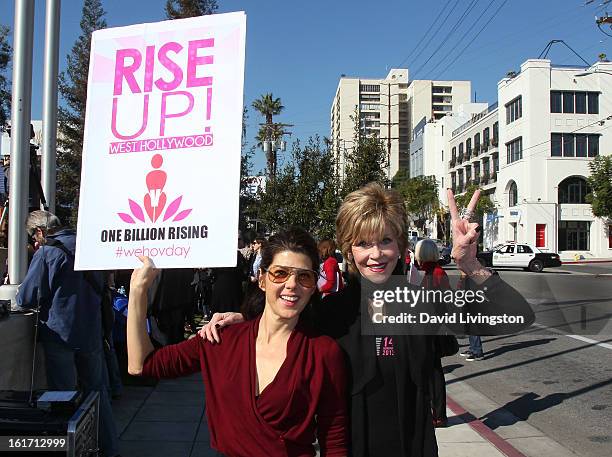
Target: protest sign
[161, 153]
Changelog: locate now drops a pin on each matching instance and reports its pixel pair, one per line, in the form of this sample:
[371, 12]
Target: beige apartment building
[388, 109]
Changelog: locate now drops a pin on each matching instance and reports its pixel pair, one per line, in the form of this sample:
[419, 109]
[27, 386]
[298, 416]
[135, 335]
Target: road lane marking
[584, 339]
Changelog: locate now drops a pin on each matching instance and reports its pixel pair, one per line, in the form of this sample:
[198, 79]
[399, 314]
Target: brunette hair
[292, 239]
[327, 248]
[364, 214]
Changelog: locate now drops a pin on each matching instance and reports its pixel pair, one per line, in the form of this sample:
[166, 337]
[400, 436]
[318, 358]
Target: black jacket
[339, 315]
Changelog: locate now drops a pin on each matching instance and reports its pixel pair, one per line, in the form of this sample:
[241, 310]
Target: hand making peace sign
[465, 234]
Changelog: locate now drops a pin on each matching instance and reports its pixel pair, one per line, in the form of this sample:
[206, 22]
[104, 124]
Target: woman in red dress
[276, 385]
[330, 280]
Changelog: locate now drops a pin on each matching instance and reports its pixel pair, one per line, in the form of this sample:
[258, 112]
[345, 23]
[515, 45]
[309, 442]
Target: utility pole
[49, 149]
[273, 142]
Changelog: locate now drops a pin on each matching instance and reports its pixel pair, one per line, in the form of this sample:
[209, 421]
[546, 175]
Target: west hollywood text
[187, 232]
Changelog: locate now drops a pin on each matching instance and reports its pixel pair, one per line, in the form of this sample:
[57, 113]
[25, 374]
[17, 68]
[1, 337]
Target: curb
[575, 262]
[489, 435]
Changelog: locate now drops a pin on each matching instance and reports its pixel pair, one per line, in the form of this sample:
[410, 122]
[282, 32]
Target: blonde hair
[364, 215]
[426, 251]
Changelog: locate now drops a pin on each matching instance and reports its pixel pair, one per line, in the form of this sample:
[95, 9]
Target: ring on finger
[468, 215]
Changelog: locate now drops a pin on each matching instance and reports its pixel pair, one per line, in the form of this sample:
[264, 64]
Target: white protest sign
[161, 154]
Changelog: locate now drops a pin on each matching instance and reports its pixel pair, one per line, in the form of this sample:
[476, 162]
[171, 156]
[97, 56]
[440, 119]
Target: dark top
[69, 306]
[339, 315]
[307, 395]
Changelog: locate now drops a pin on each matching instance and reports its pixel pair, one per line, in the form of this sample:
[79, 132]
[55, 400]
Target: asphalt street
[557, 379]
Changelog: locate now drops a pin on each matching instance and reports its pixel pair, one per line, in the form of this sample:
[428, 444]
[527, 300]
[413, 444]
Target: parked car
[519, 255]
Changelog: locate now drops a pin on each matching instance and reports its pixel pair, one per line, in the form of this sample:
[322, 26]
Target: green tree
[365, 162]
[268, 107]
[181, 9]
[600, 183]
[420, 197]
[485, 205]
[304, 191]
[71, 116]
[5, 92]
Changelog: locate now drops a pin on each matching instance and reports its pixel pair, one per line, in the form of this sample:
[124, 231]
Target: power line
[467, 32]
[441, 25]
[426, 33]
[474, 38]
[448, 35]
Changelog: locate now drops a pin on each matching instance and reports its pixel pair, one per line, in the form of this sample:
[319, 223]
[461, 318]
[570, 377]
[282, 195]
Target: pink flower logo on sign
[154, 200]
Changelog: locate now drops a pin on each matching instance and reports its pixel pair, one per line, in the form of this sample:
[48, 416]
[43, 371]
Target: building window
[574, 102]
[513, 194]
[556, 145]
[486, 136]
[495, 162]
[370, 97]
[573, 190]
[581, 102]
[568, 145]
[555, 102]
[581, 145]
[568, 102]
[495, 133]
[514, 109]
[574, 235]
[593, 145]
[574, 145]
[468, 175]
[514, 150]
[454, 153]
[593, 102]
[460, 152]
[468, 145]
[369, 88]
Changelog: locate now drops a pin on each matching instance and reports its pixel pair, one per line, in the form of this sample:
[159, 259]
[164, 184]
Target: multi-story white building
[474, 152]
[389, 109]
[381, 105]
[553, 121]
[431, 151]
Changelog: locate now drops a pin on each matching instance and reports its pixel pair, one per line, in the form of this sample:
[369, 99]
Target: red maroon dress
[307, 395]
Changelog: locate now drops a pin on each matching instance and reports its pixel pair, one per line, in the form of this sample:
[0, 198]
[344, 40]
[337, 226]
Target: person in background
[70, 318]
[427, 256]
[330, 279]
[275, 385]
[474, 352]
[257, 245]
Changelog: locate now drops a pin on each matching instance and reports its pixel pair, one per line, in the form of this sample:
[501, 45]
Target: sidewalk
[168, 421]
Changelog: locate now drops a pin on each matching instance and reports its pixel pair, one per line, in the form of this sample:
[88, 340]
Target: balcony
[495, 142]
[476, 149]
[468, 154]
[485, 145]
[460, 158]
[453, 162]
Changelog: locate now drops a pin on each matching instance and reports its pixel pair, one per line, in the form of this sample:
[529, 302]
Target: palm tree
[269, 106]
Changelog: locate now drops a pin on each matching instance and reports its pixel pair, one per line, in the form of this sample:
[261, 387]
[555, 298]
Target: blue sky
[298, 50]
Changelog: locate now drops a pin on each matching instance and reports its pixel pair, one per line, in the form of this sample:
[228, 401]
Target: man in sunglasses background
[70, 322]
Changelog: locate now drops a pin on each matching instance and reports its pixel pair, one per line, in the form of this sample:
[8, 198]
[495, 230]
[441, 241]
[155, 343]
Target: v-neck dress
[306, 399]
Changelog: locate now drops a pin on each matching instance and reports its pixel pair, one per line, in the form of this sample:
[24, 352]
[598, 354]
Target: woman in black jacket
[389, 372]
